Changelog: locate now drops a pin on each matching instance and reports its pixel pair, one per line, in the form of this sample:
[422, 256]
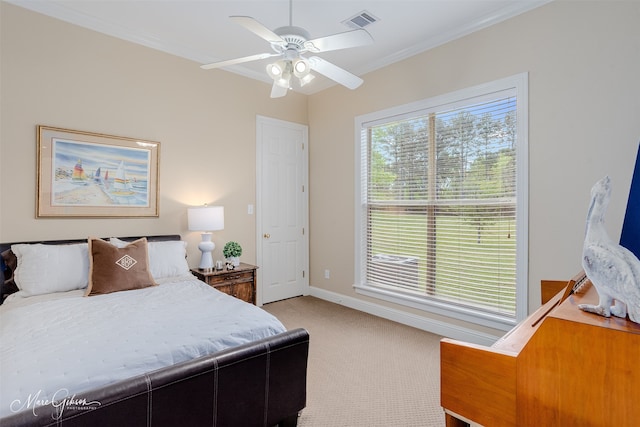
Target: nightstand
[240, 282]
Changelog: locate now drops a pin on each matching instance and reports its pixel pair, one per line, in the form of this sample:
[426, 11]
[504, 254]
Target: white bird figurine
[613, 269]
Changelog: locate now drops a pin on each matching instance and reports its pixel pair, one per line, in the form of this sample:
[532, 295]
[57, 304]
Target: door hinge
[303, 231]
[303, 188]
[303, 274]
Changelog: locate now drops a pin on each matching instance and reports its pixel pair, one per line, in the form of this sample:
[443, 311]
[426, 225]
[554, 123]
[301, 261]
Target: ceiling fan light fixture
[301, 68]
[284, 80]
[273, 70]
[276, 69]
[306, 79]
[289, 43]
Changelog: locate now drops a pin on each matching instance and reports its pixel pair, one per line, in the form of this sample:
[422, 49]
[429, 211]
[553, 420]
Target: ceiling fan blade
[237, 60]
[278, 91]
[337, 41]
[334, 72]
[257, 28]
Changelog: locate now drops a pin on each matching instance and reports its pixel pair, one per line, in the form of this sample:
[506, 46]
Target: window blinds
[440, 203]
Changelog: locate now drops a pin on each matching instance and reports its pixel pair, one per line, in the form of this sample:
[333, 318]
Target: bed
[143, 343]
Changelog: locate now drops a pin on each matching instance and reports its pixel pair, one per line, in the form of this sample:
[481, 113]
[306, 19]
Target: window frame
[519, 85]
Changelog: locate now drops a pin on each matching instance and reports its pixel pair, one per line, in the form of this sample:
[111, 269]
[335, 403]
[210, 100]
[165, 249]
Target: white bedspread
[67, 341]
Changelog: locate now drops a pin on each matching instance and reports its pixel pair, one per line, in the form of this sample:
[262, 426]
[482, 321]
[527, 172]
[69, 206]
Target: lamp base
[206, 246]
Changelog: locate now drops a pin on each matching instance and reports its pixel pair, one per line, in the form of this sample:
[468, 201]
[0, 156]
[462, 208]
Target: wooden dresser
[559, 367]
[239, 282]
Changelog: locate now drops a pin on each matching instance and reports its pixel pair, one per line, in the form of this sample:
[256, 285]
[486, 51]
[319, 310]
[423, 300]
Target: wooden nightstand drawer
[240, 282]
[231, 277]
[243, 291]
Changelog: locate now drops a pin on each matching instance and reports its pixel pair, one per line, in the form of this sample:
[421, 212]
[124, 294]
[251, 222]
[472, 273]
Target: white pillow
[44, 269]
[166, 259]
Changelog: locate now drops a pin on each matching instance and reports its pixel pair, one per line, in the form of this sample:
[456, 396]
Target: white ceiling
[201, 30]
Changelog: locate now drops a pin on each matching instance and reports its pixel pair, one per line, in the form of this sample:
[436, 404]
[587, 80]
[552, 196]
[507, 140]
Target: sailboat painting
[96, 175]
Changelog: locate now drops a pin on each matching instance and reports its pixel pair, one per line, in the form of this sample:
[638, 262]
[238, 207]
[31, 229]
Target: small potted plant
[232, 251]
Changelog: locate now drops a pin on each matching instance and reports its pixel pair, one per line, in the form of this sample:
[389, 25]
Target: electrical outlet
[327, 274]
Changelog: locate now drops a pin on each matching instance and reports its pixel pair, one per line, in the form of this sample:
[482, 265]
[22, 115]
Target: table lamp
[206, 219]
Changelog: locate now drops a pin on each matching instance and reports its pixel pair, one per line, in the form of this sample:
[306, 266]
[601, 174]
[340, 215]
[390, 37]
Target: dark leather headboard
[9, 262]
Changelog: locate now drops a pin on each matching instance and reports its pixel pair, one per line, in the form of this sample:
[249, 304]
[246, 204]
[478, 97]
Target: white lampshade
[206, 218]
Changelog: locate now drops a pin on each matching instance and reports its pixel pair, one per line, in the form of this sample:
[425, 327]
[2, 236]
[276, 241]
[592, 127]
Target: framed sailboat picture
[85, 174]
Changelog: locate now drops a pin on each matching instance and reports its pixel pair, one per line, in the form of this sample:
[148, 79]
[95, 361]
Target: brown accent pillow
[9, 265]
[113, 269]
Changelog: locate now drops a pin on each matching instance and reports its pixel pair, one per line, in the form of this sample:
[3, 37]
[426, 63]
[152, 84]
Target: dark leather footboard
[257, 384]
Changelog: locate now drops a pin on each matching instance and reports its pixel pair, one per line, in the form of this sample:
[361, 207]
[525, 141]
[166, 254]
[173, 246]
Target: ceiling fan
[290, 44]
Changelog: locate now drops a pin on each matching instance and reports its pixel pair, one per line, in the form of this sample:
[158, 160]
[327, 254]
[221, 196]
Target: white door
[282, 209]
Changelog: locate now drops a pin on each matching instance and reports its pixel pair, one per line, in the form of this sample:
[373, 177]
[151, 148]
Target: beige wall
[62, 75]
[583, 60]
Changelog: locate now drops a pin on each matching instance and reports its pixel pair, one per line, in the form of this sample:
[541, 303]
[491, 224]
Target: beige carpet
[364, 370]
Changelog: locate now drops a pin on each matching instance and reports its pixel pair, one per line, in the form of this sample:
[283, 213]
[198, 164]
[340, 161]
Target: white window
[441, 215]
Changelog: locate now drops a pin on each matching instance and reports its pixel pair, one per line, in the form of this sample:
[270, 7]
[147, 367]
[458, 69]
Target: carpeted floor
[364, 370]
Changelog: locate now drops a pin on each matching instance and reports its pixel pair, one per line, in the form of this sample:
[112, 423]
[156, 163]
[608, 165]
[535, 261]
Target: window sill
[466, 314]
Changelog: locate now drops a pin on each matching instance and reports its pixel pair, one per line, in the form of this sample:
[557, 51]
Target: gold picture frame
[92, 175]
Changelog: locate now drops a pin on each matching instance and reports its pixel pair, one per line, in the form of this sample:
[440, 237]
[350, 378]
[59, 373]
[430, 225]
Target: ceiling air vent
[360, 20]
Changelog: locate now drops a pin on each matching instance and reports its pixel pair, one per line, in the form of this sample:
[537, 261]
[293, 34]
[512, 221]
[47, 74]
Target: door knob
[267, 235]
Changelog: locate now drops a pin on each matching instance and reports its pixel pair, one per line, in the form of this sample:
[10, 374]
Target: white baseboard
[430, 325]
